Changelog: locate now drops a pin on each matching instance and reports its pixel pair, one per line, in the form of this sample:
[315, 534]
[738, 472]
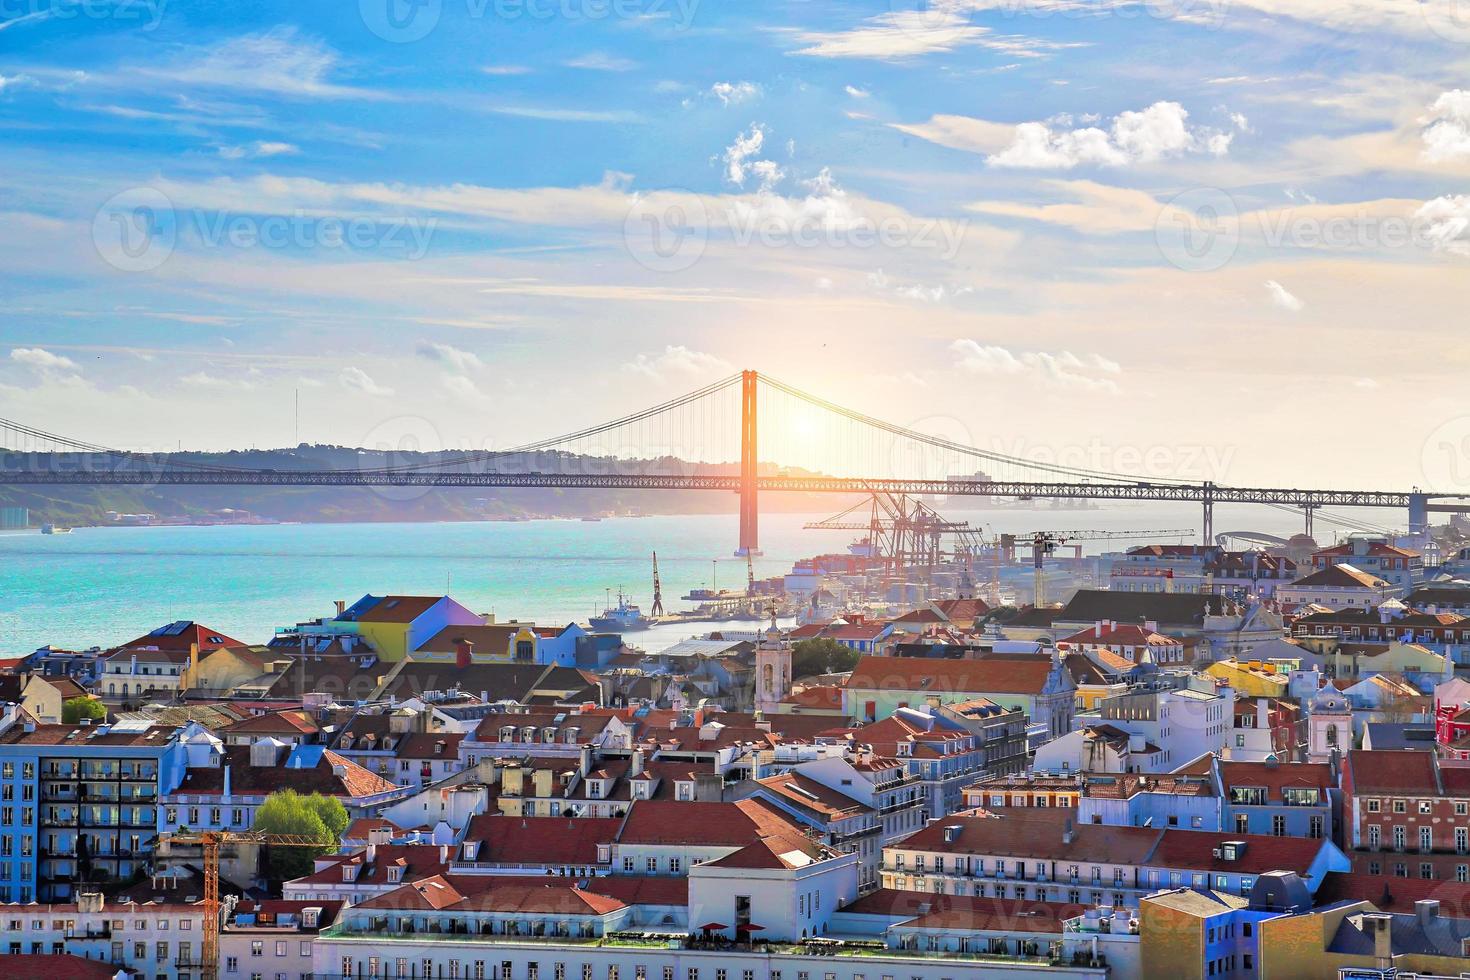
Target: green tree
[73, 710]
[316, 817]
[821, 656]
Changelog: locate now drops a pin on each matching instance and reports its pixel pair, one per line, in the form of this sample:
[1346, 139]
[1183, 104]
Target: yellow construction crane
[209, 842]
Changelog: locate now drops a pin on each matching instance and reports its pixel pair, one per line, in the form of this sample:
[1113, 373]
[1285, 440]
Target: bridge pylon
[749, 504]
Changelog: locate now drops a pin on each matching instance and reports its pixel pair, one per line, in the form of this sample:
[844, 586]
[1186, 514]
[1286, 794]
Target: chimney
[1380, 924]
[1068, 833]
[370, 855]
[463, 651]
[1427, 910]
[635, 764]
[584, 765]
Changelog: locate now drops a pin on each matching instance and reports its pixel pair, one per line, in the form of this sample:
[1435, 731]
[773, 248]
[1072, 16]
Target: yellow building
[1351, 659]
[1181, 931]
[1350, 934]
[218, 672]
[394, 625]
[1253, 678]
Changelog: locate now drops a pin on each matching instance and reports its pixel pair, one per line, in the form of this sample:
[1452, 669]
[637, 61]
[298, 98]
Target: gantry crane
[657, 609]
[209, 842]
[1043, 543]
[902, 530]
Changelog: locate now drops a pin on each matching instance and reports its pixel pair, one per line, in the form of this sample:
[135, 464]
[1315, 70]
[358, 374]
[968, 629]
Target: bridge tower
[749, 507]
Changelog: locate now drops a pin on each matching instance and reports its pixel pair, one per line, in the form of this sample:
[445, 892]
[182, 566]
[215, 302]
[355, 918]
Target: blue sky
[1049, 226]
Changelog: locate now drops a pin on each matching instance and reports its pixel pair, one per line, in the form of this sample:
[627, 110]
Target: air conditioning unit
[1217, 853]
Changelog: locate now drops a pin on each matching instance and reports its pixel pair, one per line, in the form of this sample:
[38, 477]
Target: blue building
[78, 803]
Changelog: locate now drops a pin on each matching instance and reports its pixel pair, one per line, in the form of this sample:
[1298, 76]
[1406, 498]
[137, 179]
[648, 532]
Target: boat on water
[625, 617]
[54, 529]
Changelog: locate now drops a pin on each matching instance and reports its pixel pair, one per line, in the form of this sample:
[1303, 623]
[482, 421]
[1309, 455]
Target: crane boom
[209, 842]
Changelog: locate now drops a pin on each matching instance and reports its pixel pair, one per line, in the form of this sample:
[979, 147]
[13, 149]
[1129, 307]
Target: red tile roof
[398, 608]
[354, 781]
[1036, 833]
[179, 637]
[1387, 772]
[418, 861]
[929, 910]
[1195, 850]
[984, 675]
[1277, 777]
[65, 966]
[541, 840]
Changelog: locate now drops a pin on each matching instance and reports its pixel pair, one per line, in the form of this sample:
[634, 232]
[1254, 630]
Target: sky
[1214, 239]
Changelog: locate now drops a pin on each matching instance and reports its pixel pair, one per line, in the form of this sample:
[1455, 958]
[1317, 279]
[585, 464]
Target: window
[257, 948]
[1374, 806]
[1399, 806]
[281, 947]
[1278, 825]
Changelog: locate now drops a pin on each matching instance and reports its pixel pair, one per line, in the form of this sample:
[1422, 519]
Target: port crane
[1043, 543]
[657, 609]
[209, 843]
[902, 531]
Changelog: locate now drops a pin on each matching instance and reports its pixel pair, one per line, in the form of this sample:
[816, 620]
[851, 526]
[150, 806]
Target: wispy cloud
[677, 360]
[452, 357]
[902, 34]
[1063, 369]
[600, 61]
[1282, 298]
[281, 61]
[356, 379]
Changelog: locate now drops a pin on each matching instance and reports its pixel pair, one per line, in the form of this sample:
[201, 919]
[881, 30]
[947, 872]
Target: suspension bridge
[746, 434]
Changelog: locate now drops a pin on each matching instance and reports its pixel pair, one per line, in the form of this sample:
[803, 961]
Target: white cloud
[281, 61]
[40, 359]
[1446, 223]
[203, 379]
[1062, 369]
[879, 282]
[1100, 209]
[359, 380]
[462, 361]
[1143, 136]
[1447, 128]
[600, 61]
[899, 34]
[465, 390]
[260, 148]
[734, 93]
[505, 69]
[741, 159]
[855, 92]
[677, 360]
[1282, 298]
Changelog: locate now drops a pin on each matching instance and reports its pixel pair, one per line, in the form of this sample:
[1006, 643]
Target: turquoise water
[107, 585]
